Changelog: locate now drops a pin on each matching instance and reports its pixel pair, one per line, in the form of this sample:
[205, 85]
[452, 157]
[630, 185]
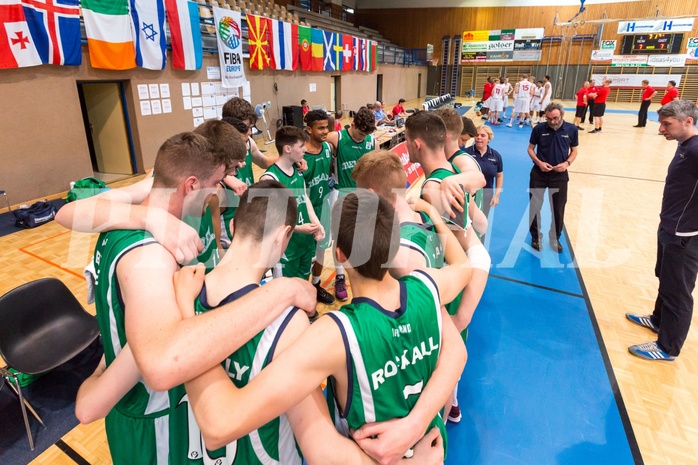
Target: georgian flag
[17, 47]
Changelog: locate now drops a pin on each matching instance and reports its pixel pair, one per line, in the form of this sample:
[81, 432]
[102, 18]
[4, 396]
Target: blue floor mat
[537, 388]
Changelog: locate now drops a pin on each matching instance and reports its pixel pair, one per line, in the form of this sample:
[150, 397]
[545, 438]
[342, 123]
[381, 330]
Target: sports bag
[84, 188]
[36, 215]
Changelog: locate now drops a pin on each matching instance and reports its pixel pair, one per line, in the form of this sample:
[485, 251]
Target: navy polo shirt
[679, 213]
[490, 163]
[553, 146]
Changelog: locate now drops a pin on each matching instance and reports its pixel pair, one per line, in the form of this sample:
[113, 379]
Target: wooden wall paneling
[417, 27]
[467, 79]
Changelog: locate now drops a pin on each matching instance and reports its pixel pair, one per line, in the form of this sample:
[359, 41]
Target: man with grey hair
[553, 148]
[677, 238]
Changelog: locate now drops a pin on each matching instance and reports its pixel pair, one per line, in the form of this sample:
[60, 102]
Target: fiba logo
[229, 31]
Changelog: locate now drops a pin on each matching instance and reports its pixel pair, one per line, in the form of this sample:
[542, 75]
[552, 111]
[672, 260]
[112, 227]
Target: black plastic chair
[42, 326]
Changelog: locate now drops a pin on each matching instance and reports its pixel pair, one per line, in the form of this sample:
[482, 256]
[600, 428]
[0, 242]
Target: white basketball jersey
[498, 92]
[524, 89]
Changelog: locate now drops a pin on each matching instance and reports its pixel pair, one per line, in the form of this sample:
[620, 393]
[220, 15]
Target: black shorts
[599, 109]
[581, 111]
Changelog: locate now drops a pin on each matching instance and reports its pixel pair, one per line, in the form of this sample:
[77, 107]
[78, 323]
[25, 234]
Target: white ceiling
[370, 4]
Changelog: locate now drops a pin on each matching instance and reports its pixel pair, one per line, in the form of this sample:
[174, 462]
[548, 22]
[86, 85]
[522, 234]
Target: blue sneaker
[643, 320]
[650, 351]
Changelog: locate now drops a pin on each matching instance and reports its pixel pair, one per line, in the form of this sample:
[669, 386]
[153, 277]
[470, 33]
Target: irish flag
[109, 34]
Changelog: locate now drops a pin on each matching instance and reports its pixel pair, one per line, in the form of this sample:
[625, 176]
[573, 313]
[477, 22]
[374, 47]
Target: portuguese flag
[305, 45]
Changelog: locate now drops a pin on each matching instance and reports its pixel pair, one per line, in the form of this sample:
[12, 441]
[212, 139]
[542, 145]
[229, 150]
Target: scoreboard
[649, 44]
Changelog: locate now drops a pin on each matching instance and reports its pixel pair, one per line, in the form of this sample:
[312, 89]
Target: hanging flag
[295, 48]
[109, 34]
[317, 49]
[229, 34]
[282, 51]
[185, 34]
[148, 18]
[355, 50]
[363, 57]
[329, 40]
[258, 33]
[347, 52]
[17, 47]
[305, 46]
[337, 51]
[55, 27]
[374, 56]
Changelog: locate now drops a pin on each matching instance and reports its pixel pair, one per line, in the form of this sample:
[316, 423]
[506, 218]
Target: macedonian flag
[258, 32]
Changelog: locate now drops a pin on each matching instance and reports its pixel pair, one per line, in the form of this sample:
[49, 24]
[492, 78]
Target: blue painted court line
[538, 387]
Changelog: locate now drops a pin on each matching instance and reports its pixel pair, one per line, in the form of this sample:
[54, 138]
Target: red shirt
[592, 90]
[581, 93]
[647, 93]
[487, 92]
[670, 95]
[397, 109]
[337, 125]
[602, 94]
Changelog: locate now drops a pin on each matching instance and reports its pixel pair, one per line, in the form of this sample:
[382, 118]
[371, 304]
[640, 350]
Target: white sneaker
[509, 125]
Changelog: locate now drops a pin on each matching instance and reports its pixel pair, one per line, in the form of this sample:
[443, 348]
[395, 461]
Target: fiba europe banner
[229, 34]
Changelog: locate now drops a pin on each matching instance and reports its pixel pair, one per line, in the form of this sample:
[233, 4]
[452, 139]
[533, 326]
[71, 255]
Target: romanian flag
[109, 34]
[317, 49]
[305, 48]
[259, 35]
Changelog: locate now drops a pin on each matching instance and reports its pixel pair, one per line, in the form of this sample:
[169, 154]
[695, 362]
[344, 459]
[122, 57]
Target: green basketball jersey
[138, 426]
[317, 176]
[480, 194]
[296, 183]
[437, 176]
[348, 153]
[391, 354]
[204, 225]
[422, 238]
[273, 443]
[245, 175]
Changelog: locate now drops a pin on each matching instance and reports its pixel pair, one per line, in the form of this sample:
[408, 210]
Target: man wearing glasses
[553, 148]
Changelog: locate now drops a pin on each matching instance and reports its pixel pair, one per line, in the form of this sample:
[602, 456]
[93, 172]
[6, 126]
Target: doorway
[107, 127]
[336, 93]
[379, 87]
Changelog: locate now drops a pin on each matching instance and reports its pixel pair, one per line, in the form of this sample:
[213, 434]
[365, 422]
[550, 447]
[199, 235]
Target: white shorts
[521, 105]
[544, 104]
[506, 103]
[535, 105]
[496, 104]
[486, 103]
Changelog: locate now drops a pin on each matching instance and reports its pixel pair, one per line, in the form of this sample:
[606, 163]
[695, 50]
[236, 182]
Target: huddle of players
[284, 218]
[530, 100]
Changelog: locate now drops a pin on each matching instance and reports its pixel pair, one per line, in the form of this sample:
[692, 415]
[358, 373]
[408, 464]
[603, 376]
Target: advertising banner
[601, 55]
[629, 60]
[666, 60]
[412, 170]
[659, 25]
[658, 81]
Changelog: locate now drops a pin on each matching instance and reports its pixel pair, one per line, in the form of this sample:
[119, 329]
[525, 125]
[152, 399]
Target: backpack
[36, 215]
[84, 188]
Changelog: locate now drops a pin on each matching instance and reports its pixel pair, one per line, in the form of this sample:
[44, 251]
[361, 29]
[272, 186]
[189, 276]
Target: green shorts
[298, 257]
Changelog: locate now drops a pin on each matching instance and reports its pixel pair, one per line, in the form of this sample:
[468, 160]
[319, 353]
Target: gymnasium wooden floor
[612, 216]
